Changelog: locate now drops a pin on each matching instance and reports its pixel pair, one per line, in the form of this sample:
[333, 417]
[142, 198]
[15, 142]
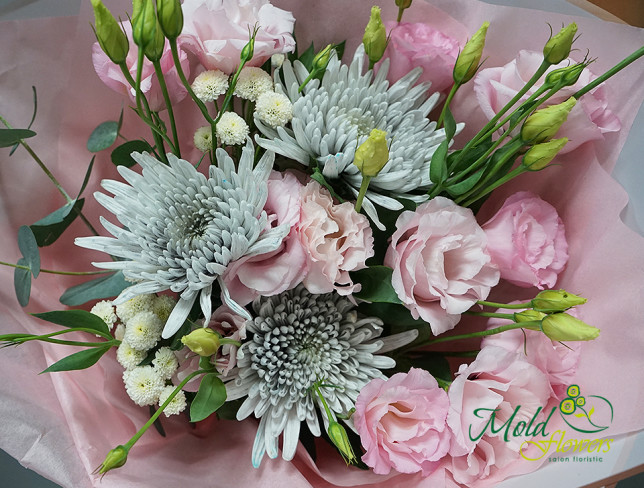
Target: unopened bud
[154, 50]
[203, 341]
[564, 327]
[321, 59]
[543, 124]
[567, 76]
[109, 34]
[372, 155]
[144, 23]
[556, 301]
[558, 46]
[338, 436]
[375, 37]
[529, 316]
[116, 458]
[539, 155]
[469, 58]
[170, 17]
[248, 50]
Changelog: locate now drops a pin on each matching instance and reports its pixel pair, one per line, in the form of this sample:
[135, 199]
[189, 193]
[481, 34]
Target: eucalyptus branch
[51, 271]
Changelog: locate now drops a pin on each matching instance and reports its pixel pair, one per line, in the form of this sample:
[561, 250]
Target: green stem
[618, 67]
[78, 329]
[168, 104]
[363, 190]
[510, 306]
[483, 333]
[329, 415]
[81, 344]
[51, 271]
[501, 181]
[497, 315]
[149, 423]
[451, 94]
[400, 14]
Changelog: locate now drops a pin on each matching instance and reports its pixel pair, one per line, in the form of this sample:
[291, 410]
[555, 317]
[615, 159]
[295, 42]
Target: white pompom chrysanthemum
[143, 331]
[274, 109]
[143, 384]
[165, 362]
[209, 85]
[128, 357]
[252, 82]
[203, 138]
[162, 306]
[133, 307]
[105, 310]
[177, 404]
[232, 130]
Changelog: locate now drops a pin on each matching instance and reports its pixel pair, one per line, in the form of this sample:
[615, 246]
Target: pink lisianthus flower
[498, 381]
[418, 44]
[217, 31]
[440, 265]
[113, 77]
[588, 120]
[280, 270]
[337, 240]
[402, 423]
[557, 361]
[527, 241]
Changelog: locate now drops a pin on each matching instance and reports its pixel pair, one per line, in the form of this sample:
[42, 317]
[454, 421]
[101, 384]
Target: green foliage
[79, 360]
[29, 249]
[211, 396]
[9, 137]
[438, 165]
[103, 136]
[104, 287]
[121, 156]
[48, 229]
[75, 318]
[22, 283]
[376, 284]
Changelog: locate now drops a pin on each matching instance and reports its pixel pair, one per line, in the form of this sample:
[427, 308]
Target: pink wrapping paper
[63, 424]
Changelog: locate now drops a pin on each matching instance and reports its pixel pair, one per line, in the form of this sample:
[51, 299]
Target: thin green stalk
[509, 306]
[168, 103]
[80, 344]
[451, 94]
[51, 271]
[501, 181]
[496, 315]
[483, 333]
[363, 190]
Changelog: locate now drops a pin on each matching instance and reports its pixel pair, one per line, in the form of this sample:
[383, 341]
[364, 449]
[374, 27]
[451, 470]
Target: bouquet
[338, 258]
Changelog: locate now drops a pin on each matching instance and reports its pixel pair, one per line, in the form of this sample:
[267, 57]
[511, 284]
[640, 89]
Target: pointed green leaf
[29, 249]
[466, 185]
[104, 287]
[22, 283]
[306, 58]
[103, 136]
[438, 166]
[87, 175]
[319, 177]
[79, 360]
[376, 284]
[33, 115]
[121, 156]
[450, 124]
[211, 396]
[9, 137]
[48, 229]
[74, 318]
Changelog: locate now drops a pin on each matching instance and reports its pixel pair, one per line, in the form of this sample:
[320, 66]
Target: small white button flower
[162, 306]
[177, 404]
[128, 357]
[232, 130]
[105, 310]
[143, 384]
[209, 85]
[277, 60]
[252, 82]
[130, 308]
[203, 138]
[143, 331]
[274, 109]
[165, 363]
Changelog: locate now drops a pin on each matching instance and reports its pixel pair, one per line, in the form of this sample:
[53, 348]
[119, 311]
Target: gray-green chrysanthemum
[181, 229]
[298, 339]
[332, 118]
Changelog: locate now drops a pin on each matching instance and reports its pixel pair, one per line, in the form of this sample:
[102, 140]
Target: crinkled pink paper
[63, 424]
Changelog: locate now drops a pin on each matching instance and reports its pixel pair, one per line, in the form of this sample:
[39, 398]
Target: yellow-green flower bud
[338, 436]
[375, 37]
[469, 58]
[403, 3]
[556, 301]
[567, 76]
[170, 17]
[543, 124]
[144, 23]
[248, 50]
[564, 327]
[539, 155]
[109, 34]
[204, 341]
[372, 155]
[529, 316]
[114, 459]
[558, 46]
[154, 50]
[321, 59]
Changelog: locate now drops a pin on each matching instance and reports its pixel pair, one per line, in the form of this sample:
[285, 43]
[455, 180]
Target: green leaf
[306, 58]
[319, 177]
[121, 156]
[376, 284]
[29, 249]
[211, 396]
[228, 411]
[74, 318]
[176, 343]
[433, 362]
[33, 115]
[22, 283]
[87, 175]
[466, 185]
[9, 137]
[339, 49]
[391, 313]
[438, 166]
[103, 136]
[104, 287]
[48, 229]
[79, 360]
[450, 124]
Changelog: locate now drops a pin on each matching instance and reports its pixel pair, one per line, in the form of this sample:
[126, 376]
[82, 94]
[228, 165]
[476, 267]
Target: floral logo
[589, 415]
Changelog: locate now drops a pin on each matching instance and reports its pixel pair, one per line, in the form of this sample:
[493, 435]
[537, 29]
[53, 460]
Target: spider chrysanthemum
[332, 118]
[297, 339]
[181, 229]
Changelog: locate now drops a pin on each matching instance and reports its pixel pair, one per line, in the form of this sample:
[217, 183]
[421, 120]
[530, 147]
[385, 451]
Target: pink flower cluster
[409, 424]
